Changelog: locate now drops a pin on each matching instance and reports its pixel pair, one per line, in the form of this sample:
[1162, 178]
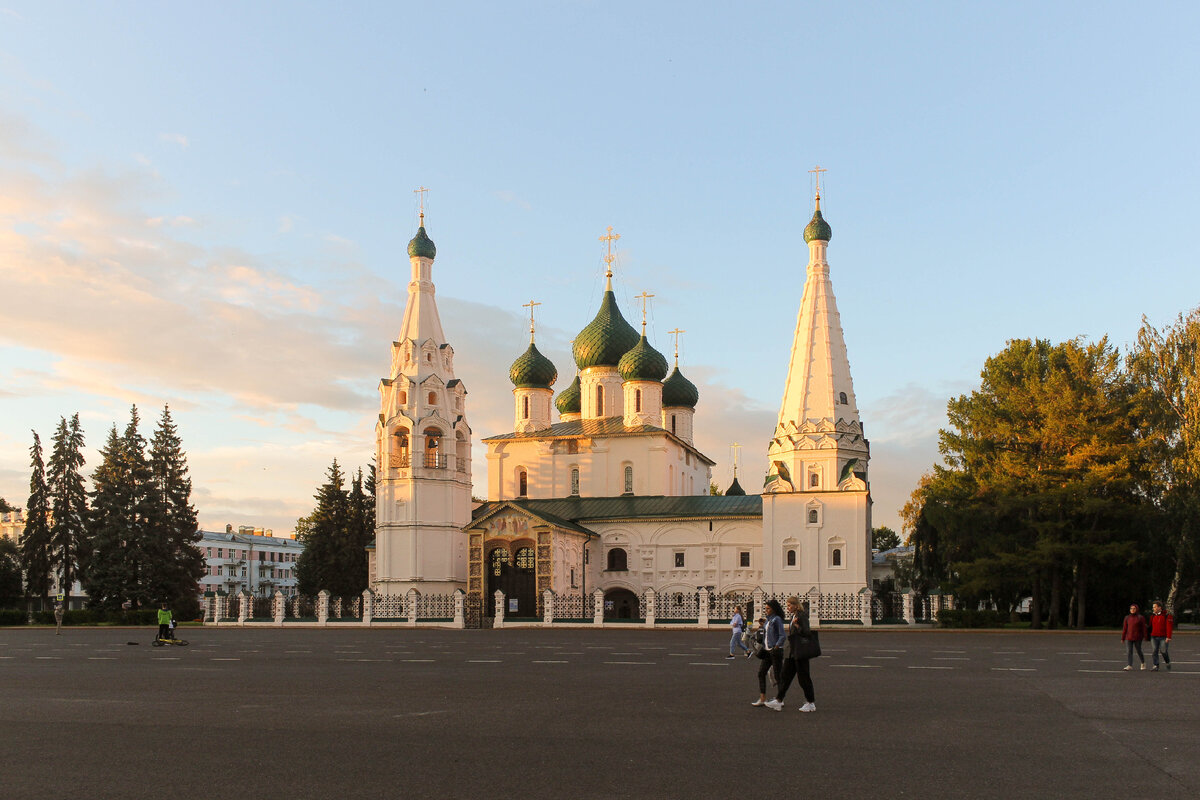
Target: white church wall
[842, 523]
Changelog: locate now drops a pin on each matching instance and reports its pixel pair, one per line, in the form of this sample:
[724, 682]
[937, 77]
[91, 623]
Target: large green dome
[606, 338]
[570, 401]
[642, 363]
[679, 391]
[532, 370]
[818, 229]
[422, 245]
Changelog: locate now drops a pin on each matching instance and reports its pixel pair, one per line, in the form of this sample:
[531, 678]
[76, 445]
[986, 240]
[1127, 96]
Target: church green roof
[642, 363]
[422, 245]
[679, 391]
[532, 370]
[570, 400]
[818, 229]
[606, 338]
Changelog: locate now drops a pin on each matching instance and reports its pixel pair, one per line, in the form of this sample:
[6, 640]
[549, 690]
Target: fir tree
[10, 574]
[325, 562]
[113, 553]
[68, 503]
[177, 562]
[35, 541]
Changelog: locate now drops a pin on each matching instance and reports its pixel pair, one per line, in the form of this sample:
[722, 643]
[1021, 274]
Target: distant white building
[251, 560]
[12, 526]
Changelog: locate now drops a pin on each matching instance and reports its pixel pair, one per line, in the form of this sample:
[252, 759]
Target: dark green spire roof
[422, 245]
[679, 391]
[642, 363]
[818, 228]
[606, 338]
[735, 489]
[532, 370]
[570, 400]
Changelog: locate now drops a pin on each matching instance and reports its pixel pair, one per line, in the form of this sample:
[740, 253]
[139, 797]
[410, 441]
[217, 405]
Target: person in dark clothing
[772, 654]
[1162, 625]
[793, 664]
[1133, 633]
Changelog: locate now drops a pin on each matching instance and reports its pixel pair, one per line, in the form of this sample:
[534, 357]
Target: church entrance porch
[621, 604]
[513, 572]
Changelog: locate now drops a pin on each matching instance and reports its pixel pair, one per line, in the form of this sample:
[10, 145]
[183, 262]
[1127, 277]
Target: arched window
[524, 408]
[599, 401]
[433, 398]
[618, 560]
[628, 480]
[637, 399]
[524, 559]
[842, 398]
[814, 480]
[791, 558]
[575, 480]
[522, 483]
[401, 439]
[433, 443]
[812, 515]
[837, 557]
[497, 560]
[672, 423]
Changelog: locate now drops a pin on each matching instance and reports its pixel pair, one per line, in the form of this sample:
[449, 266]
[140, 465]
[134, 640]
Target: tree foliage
[35, 541]
[336, 535]
[68, 502]
[10, 574]
[884, 538]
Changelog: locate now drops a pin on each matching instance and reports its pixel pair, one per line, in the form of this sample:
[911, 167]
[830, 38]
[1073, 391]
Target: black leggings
[774, 662]
[796, 668]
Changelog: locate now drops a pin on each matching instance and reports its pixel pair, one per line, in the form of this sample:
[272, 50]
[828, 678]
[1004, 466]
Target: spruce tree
[35, 541]
[68, 501]
[177, 562]
[111, 575]
[324, 533]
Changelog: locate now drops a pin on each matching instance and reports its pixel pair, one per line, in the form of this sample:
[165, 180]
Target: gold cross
[644, 297]
[531, 305]
[420, 193]
[610, 238]
[676, 333]
[734, 448]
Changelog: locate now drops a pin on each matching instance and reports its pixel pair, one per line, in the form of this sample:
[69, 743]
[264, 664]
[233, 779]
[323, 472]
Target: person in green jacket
[164, 622]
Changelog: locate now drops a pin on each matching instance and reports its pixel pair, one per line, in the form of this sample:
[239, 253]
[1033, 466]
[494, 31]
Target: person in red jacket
[1162, 625]
[1133, 632]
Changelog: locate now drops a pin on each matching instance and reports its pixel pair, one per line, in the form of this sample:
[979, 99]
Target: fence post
[908, 608]
[411, 599]
[460, 616]
[246, 608]
[702, 612]
[323, 607]
[277, 610]
[756, 598]
[219, 607]
[650, 608]
[547, 607]
[814, 607]
[498, 597]
[949, 602]
[866, 595]
[598, 608]
[368, 608]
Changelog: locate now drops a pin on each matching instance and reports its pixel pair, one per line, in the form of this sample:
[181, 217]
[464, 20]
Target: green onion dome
[606, 338]
[422, 245]
[532, 370]
[679, 391]
[642, 363]
[570, 400]
[818, 229]
[735, 489]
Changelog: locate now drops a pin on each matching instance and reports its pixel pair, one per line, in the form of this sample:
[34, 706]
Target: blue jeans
[736, 641]
[1165, 644]
[1130, 647]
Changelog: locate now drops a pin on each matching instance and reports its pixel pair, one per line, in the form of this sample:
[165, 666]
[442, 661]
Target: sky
[207, 206]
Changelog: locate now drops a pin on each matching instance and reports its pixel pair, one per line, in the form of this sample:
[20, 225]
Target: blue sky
[208, 204]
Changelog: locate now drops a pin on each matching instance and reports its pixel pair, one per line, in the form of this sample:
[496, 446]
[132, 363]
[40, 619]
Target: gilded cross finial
[532, 304]
[645, 298]
[609, 257]
[733, 449]
[420, 193]
[675, 333]
[817, 170]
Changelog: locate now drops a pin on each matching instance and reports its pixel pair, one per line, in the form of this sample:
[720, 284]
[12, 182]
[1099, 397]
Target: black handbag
[808, 646]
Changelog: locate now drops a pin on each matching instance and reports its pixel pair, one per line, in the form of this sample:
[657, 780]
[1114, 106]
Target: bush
[971, 618]
[12, 616]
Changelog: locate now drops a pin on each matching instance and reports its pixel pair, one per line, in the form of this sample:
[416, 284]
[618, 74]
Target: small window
[637, 400]
[628, 480]
[429, 358]
[433, 398]
[599, 401]
[837, 556]
[672, 423]
[791, 558]
[842, 398]
[618, 560]
[812, 516]
[744, 558]
[403, 397]
[678, 560]
[814, 480]
[522, 483]
[524, 408]
[575, 481]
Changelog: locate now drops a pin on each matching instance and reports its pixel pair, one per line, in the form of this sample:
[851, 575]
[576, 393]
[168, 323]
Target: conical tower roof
[735, 489]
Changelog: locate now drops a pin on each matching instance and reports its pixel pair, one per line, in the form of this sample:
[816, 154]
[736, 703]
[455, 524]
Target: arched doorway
[513, 574]
[621, 604]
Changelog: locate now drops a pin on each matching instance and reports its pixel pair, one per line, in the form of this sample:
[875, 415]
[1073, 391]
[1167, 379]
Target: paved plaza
[531, 713]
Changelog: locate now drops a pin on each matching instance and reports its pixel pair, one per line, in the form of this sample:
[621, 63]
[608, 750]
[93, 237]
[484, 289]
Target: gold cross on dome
[676, 333]
[644, 297]
[817, 170]
[610, 238]
[420, 193]
[531, 305]
[734, 448]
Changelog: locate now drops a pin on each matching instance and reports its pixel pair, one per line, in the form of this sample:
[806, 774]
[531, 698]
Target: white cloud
[174, 138]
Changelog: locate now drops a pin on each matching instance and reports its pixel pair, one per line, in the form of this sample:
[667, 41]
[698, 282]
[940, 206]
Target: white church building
[613, 494]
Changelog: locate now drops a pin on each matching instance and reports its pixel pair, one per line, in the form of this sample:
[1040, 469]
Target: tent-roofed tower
[423, 448]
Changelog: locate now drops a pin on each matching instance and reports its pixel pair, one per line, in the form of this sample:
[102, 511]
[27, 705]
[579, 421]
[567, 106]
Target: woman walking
[794, 664]
[736, 625]
[1133, 631]
[772, 654]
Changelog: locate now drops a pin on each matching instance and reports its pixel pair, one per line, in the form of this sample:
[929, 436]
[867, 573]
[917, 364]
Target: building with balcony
[249, 560]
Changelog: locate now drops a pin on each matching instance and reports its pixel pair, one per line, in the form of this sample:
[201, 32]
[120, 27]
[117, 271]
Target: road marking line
[484, 661]
[165, 658]
[912, 667]
[705, 664]
[949, 651]
[224, 659]
[356, 660]
[1013, 669]
[651, 663]
[417, 660]
[891, 651]
[951, 658]
[549, 662]
[857, 666]
[101, 658]
[893, 658]
[48, 658]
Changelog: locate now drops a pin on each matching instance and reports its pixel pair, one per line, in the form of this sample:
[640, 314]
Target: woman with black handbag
[802, 646]
[772, 652]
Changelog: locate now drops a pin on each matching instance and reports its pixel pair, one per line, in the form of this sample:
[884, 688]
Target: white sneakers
[1143, 665]
[1127, 669]
[808, 707]
[759, 702]
[775, 705]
